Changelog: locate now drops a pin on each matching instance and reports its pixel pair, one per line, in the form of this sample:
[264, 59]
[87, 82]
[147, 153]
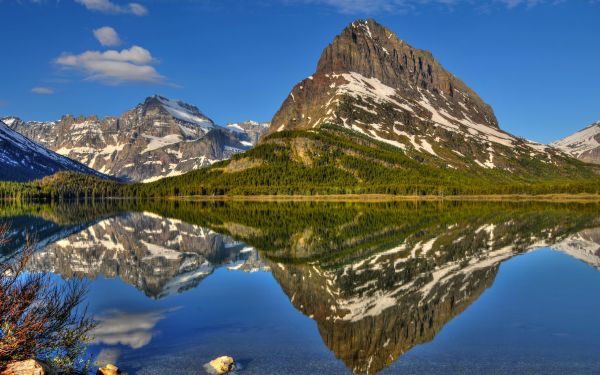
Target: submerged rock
[110, 369]
[28, 367]
[221, 365]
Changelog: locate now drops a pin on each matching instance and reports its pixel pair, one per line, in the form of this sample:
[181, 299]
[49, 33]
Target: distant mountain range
[158, 138]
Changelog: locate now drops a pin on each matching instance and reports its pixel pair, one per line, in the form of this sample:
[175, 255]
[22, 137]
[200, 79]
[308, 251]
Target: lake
[330, 288]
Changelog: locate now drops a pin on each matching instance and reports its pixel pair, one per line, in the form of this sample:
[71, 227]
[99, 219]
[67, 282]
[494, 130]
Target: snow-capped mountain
[583, 145]
[249, 131]
[24, 160]
[373, 83]
[159, 137]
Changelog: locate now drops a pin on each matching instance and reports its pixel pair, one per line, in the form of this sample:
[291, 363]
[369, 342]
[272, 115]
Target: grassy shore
[391, 198]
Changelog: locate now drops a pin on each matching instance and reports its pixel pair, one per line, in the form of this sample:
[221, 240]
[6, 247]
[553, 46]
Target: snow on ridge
[358, 86]
[235, 126]
[29, 147]
[580, 142]
[8, 120]
[177, 109]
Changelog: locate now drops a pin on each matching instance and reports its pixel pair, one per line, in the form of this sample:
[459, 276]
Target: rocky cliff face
[23, 160]
[583, 145]
[370, 81]
[159, 137]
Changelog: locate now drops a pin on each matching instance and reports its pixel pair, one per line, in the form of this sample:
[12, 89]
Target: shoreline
[391, 198]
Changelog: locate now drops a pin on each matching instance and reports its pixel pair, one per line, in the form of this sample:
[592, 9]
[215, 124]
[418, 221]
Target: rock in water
[221, 365]
[110, 369]
[28, 367]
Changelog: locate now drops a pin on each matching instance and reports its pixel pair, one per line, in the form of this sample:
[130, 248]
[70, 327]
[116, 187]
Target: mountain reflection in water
[378, 279]
[157, 255]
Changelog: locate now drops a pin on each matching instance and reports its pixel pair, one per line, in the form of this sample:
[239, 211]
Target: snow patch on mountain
[160, 142]
[580, 142]
[184, 112]
[373, 90]
[9, 120]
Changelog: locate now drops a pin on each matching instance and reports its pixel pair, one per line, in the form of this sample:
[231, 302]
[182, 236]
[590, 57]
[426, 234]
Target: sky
[535, 61]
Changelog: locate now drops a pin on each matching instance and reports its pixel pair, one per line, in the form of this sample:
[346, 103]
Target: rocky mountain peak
[11, 121]
[176, 108]
[375, 85]
[373, 51]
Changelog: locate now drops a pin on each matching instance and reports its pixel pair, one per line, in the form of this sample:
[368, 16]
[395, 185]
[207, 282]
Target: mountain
[24, 160]
[583, 145]
[380, 116]
[370, 81]
[250, 132]
[159, 137]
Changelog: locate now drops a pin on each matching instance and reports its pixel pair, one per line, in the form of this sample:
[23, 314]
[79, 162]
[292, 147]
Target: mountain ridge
[583, 144]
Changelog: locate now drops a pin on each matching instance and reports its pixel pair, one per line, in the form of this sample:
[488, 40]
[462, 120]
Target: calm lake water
[330, 288]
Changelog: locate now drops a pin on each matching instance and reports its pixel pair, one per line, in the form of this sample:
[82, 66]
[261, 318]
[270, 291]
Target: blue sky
[536, 62]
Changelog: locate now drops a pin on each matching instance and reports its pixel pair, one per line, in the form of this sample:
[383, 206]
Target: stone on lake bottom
[28, 367]
[221, 365]
[110, 369]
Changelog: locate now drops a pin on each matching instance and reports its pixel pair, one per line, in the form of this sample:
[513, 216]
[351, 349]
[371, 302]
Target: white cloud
[107, 36]
[391, 6]
[138, 9]
[42, 90]
[114, 67]
[516, 3]
[107, 6]
[126, 328]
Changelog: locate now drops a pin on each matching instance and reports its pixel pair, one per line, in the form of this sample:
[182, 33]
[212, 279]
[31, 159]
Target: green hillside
[338, 161]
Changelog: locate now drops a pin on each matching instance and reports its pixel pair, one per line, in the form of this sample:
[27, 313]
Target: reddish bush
[39, 318]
